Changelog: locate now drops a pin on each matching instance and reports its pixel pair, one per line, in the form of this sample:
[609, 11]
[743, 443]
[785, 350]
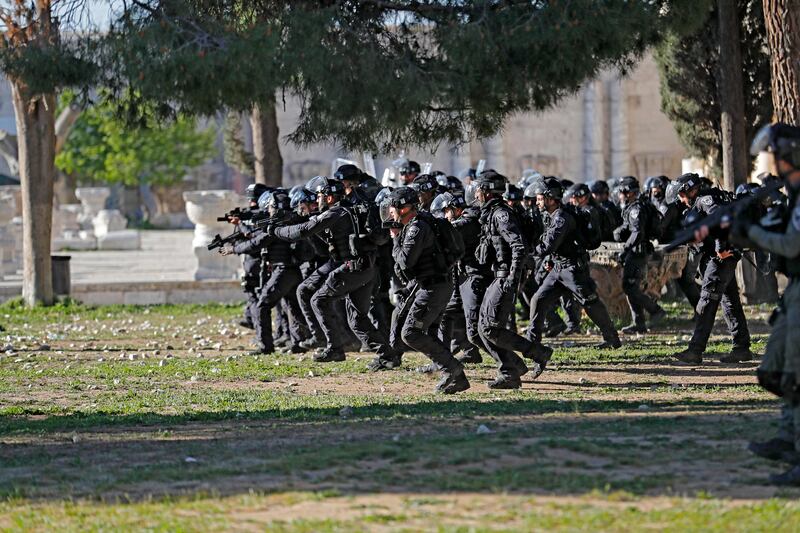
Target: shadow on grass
[551, 455]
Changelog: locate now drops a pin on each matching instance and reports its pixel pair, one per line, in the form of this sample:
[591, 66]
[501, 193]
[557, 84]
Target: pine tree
[689, 70]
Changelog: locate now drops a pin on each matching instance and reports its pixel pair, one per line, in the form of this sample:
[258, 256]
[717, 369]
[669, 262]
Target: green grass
[92, 440]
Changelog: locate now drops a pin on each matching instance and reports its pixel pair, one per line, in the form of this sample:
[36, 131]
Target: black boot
[330, 355]
[506, 382]
[689, 357]
[453, 381]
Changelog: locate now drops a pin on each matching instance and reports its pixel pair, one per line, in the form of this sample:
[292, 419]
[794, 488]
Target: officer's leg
[270, 297]
[577, 280]
[552, 322]
[710, 296]
[358, 302]
[545, 298]
[399, 315]
[306, 291]
[632, 275]
[298, 330]
[325, 302]
[733, 313]
[472, 291]
[688, 282]
[573, 310]
[427, 304]
[493, 315]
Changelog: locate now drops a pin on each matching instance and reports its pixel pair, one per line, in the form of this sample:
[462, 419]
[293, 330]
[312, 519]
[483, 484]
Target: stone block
[145, 297]
[119, 240]
[108, 221]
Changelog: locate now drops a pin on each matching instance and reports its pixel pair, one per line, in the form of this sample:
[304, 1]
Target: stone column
[593, 132]
[618, 126]
[93, 200]
[496, 154]
[203, 208]
[460, 159]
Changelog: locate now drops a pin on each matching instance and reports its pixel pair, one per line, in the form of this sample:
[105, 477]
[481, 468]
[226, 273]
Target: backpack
[449, 244]
[589, 232]
[654, 226]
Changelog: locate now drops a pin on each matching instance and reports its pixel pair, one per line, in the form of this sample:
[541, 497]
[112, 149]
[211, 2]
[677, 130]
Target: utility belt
[429, 281]
[359, 264]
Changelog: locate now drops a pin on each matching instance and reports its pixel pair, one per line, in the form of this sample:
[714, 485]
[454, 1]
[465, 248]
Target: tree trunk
[782, 18]
[35, 119]
[735, 161]
[266, 144]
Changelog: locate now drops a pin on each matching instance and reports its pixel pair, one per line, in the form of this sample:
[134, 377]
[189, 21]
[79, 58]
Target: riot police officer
[601, 194]
[251, 262]
[718, 259]
[349, 273]
[425, 186]
[779, 371]
[636, 232]
[502, 248]
[408, 171]
[419, 260]
[282, 261]
[568, 268]
[472, 278]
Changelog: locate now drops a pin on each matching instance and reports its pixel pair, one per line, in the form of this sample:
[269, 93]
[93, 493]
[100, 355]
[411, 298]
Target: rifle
[246, 214]
[219, 242]
[725, 215]
[257, 220]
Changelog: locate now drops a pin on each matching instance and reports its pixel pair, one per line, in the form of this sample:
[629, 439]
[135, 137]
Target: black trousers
[569, 277]
[501, 342]
[719, 286]
[413, 319]
[472, 291]
[687, 282]
[354, 286]
[282, 282]
[633, 272]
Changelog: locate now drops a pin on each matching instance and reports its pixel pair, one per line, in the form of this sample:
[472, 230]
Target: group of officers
[437, 265]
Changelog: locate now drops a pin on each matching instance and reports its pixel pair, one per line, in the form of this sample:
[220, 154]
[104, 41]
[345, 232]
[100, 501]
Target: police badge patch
[796, 218]
[634, 212]
[413, 231]
[502, 216]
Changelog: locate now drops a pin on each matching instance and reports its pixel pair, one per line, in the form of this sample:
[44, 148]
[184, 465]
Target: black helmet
[627, 184]
[766, 178]
[656, 182]
[301, 196]
[263, 200]
[513, 193]
[383, 195]
[492, 182]
[403, 196]
[746, 189]
[349, 172]
[254, 191]
[566, 183]
[447, 200]
[579, 190]
[549, 187]
[325, 185]
[599, 187]
[424, 183]
[687, 182]
[279, 200]
[781, 139]
[409, 167]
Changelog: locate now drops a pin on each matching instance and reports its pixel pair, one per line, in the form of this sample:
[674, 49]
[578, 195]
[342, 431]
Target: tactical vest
[469, 226]
[502, 251]
[426, 267]
[338, 236]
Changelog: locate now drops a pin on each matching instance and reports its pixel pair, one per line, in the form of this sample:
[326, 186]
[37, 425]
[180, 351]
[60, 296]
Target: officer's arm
[406, 252]
[637, 231]
[252, 245]
[509, 231]
[720, 243]
[552, 238]
[314, 225]
[786, 244]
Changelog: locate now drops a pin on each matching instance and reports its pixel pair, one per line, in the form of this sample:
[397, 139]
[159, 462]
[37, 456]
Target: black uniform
[251, 281]
[569, 273]
[635, 252]
[284, 275]
[719, 283]
[474, 278]
[672, 214]
[349, 274]
[415, 254]
[614, 213]
[503, 249]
